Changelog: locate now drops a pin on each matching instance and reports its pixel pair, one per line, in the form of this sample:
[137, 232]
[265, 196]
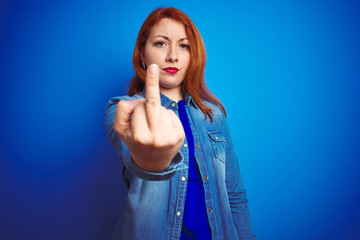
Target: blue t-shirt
[195, 223]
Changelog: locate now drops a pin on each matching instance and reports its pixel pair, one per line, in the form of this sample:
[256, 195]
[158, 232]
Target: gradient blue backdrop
[287, 71]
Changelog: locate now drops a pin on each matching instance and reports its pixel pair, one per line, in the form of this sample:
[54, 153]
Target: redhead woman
[171, 136]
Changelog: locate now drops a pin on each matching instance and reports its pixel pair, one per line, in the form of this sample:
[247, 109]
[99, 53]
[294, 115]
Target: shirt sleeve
[236, 192]
[124, 153]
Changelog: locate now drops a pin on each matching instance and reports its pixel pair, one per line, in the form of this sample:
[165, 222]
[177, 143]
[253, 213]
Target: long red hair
[194, 81]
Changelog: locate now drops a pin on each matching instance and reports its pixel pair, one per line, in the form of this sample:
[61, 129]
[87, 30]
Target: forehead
[169, 28]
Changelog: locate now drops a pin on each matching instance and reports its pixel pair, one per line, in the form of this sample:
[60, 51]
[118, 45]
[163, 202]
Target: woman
[172, 139]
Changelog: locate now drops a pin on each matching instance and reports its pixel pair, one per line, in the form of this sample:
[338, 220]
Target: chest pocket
[217, 139]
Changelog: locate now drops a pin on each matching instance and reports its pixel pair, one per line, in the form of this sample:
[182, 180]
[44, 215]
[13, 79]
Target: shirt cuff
[176, 164]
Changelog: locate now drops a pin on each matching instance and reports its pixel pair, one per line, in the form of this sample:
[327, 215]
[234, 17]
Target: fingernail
[153, 69]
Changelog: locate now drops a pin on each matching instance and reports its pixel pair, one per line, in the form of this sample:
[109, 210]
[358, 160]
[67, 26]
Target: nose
[172, 55]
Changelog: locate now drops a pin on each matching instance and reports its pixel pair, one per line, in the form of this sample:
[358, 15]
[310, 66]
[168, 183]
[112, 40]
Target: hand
[153, 134]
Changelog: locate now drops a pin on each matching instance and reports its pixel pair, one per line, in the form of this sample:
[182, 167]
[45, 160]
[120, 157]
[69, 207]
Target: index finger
[152, 94]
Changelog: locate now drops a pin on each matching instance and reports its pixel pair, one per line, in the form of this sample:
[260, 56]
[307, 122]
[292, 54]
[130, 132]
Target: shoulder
[218, 115]
[217, 112]
[114, 100]
[117, 99]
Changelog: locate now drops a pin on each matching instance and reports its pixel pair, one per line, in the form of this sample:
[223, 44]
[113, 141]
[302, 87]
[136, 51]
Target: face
[168, 47]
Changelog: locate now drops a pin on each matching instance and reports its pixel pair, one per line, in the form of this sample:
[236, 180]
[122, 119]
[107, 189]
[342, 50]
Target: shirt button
[178, 213]
[185, 145]
[183, 179]
[197, 146]
[206, 178]
[211, 210]
[173, 104]
[216, 138]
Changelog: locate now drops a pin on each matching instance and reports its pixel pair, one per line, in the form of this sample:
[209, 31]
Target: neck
[175, 94]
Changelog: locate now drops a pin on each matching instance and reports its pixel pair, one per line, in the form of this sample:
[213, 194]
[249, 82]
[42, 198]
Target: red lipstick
[171, 70]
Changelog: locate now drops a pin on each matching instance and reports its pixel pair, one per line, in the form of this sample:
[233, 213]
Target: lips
[171, 70]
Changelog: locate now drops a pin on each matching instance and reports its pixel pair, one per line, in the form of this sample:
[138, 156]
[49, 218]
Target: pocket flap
[217, 136]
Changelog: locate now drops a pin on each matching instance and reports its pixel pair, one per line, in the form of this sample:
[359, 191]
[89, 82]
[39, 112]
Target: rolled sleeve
[124, 153]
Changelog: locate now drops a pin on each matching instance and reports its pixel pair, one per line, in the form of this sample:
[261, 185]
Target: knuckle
[138, 139]
[179, 139]
[151, 102]
[121, 105]
[158, 143]
[182, 137]
[173, 141]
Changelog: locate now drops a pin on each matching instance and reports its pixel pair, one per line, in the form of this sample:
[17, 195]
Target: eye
[160, 44]
[184, 46]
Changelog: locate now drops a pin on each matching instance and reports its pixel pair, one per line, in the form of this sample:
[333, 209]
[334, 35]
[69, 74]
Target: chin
[169, 84]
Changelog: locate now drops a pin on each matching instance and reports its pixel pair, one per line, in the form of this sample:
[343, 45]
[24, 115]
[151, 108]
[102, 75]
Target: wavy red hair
[194, 81]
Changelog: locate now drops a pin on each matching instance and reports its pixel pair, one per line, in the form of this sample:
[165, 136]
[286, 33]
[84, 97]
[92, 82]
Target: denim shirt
[156, 200]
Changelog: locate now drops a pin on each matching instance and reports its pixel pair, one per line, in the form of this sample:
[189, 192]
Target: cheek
[153, 59]
[153, 56]
[186, 62]
[147, 57]
[186, 58]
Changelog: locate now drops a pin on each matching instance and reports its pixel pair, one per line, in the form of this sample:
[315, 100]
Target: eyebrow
[181, 39]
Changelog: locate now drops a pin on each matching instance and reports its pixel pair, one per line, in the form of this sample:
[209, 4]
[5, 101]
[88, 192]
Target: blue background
[287, 72]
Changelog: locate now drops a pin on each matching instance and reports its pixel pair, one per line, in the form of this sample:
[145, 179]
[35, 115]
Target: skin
[168, 46]
[153, 133]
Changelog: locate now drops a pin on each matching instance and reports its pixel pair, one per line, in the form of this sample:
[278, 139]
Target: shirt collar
[165, 101]
[188, 99]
